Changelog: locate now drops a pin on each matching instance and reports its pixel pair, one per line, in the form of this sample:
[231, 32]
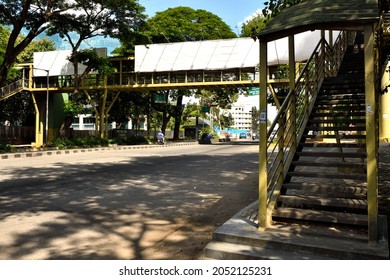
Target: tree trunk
[178, 113]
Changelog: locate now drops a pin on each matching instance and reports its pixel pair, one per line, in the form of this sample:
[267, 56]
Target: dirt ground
[189, 240]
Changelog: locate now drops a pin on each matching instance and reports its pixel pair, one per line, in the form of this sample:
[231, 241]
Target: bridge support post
[292, 76]
[371, 133]
[39, 106]
[263, 181]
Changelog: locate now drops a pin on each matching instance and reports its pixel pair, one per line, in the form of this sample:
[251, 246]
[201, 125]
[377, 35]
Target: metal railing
[13, 88]
[290, 122]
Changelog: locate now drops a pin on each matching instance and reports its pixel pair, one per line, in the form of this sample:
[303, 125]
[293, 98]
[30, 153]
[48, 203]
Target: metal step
[350, 165]
[332, 136]
[337, 121]
[308, 200]
[348, 108]
[352, 176]
[335, 128]
[338, 114]
[321, 216]
[331, 154]
[339, 190]
[333, 145]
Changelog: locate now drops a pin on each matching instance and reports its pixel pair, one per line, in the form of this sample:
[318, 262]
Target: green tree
[274, 7]
[252, 26]
[227, 121]
[115, 18]
[19, 109]
[178, 25]
[186, 24]
[30, 17]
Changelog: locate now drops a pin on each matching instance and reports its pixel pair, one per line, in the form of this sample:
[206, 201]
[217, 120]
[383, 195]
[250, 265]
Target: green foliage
[271, 8]
[93, 61]
[41, 45]
[274, 7]
[186, 24]
[6, 148]
[227, 121]
[93, 141]
[72, 108]
[130, 140]
[115, 18]
[252, 26]
[4, 35]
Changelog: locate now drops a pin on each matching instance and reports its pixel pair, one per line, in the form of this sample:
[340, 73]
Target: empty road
[152, 203]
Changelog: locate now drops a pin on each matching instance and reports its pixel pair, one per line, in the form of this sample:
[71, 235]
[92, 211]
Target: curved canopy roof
[321, 14]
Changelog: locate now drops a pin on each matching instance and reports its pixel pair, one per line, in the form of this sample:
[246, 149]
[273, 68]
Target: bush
[131, 140]
[65, 143]
[7, 148]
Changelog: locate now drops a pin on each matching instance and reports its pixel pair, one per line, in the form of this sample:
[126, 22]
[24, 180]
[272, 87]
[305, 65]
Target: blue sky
[232, 12]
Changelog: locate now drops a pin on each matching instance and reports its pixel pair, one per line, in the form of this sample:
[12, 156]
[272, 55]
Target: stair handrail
[12, 88]
[290, 122]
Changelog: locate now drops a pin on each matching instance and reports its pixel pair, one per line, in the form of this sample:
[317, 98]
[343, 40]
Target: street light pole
[47, 104]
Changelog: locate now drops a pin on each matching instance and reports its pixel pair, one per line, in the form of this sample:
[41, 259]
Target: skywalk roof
[321, 14]
[219, 54]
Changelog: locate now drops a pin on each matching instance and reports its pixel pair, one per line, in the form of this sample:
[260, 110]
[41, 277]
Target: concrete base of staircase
[239, 238]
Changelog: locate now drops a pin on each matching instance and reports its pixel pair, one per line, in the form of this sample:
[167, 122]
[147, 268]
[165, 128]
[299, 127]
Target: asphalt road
[158, 203]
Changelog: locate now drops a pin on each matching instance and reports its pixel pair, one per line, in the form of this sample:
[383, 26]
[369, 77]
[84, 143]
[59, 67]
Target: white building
[242, 115]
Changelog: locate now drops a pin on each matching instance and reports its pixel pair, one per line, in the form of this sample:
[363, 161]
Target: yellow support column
[38, 123]
[371, 134]
[384, 110]
[292, 77]
[263, 182]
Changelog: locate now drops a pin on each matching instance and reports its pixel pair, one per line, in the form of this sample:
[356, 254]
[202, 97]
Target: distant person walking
[160, 137]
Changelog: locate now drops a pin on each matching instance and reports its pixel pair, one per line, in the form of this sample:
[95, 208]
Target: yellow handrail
[289, 124]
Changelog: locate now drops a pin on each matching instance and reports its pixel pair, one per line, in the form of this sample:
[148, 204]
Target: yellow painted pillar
[384, 110]
[371, 134]
[39, 128]
[263, 181]
[292, 77]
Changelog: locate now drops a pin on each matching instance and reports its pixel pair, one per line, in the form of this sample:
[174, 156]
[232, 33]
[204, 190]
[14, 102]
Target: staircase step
[321, 216]
[229, 251]
[338, 114]
[335, 128]
[337, 121]
[323, 201]
[332, 154]
[332, 136]
[238, 239]
[341, 108]
[337, 97]
[341, 101]
[343, 190]
[332, 145]
[351, 176]
[350, 165]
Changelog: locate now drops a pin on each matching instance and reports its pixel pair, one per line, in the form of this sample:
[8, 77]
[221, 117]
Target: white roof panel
[220, 54]
[56, 62]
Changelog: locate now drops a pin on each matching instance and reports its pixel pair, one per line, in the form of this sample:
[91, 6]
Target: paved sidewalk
[28, 153]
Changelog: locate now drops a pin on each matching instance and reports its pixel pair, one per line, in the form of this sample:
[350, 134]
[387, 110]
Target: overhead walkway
[230, 63]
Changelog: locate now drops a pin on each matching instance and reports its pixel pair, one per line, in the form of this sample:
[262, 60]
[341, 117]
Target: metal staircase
[326, 182]
[13, 88]
[317, 186]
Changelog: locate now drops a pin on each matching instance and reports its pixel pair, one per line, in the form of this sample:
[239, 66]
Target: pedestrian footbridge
[229, 63]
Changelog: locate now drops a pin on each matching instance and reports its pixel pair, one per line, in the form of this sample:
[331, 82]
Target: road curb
[39, 153]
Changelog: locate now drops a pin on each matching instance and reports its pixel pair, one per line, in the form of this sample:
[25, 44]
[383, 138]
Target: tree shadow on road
[140, 208]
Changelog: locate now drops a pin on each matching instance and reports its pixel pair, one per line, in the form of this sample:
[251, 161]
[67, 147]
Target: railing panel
[294, 112]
